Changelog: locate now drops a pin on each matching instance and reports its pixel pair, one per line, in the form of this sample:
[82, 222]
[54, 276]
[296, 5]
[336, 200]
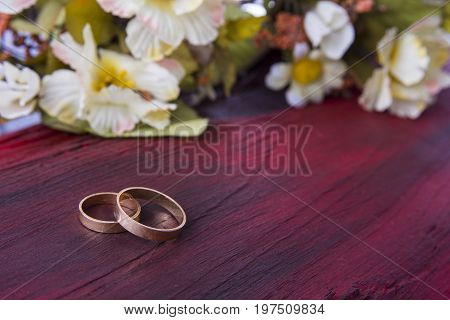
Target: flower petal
[146, 76]
[332, 14]
[81, 58]
[217, 11]
[333, 73]
[18, 90]
[336, 44]
[415, 92]
[295, 96]
[377, 92]
[182, 6]
[200, 26]
[435, 39]
[174, 67]
[410, 60]
[157, 80]
[159, 116]
[408, 109]
[162, 22]
[67, 50]
[385, 47]
[61, 95]
[121, 8]
[314, 92]
[143, 42]
[33, 82]
[301, 49]
[437, 81]
[118, 60]
[315, 28]
[111, 111]
[10, 107]
[157, 119]
[278, 76]
[13, 7]
[11, 72]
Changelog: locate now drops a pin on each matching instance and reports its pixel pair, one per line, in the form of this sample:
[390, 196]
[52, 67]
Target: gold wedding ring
[130, 207]
[154, 197]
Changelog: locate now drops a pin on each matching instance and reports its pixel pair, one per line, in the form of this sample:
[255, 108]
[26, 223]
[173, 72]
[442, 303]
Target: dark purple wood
[384, 180]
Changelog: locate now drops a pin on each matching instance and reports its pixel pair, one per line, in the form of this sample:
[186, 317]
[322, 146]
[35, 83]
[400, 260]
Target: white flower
[411, 71]
[112, 91]
[13, 7]
[311, 76]
[328, 26]
[18, 91]
[159, 26]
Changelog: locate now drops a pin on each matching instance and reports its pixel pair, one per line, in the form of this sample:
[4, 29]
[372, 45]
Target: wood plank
[382, 179]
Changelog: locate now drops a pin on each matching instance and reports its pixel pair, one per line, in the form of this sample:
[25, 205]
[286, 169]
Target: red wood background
[376, 224]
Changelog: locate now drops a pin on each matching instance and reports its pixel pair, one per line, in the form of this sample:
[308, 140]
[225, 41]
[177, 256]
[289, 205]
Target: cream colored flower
[112, 91]
[13, 7]
[311, 76]
[328, 26]
[411, 72]
[18, 91]
[159, 26]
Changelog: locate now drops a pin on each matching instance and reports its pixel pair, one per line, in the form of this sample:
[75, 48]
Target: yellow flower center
[162, 4]
[307, 71]
[111, 74]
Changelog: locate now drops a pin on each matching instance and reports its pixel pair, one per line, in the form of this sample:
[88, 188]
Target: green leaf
[360, 69]
[245, 54]
[229, 77]
[51, 14]
[234, 12]
[239, 26]
[80, 127]
[243, 29]
[226, 69]
[236, 37]
[23, 25]
[52, 63]
[81, 12]
[228, 62]
[188, 83]
[184, 56]
[41, 3]
[446, 20]
[185, 123]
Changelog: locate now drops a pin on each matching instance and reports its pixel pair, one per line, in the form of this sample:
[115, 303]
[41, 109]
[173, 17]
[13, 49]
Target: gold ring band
[106, 198]
[155, 197]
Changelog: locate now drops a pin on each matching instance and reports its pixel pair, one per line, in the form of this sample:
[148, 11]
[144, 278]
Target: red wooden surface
[381, 186]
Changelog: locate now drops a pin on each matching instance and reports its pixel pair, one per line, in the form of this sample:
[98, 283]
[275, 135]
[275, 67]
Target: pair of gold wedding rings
[127, 212]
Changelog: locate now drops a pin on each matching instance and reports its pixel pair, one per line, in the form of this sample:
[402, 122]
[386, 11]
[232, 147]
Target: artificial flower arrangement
[116, 68]
[333, 46]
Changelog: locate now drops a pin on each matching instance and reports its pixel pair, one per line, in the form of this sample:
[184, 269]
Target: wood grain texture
[382, 179]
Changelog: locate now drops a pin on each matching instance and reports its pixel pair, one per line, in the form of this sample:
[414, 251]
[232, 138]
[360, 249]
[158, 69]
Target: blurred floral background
[127, 68]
